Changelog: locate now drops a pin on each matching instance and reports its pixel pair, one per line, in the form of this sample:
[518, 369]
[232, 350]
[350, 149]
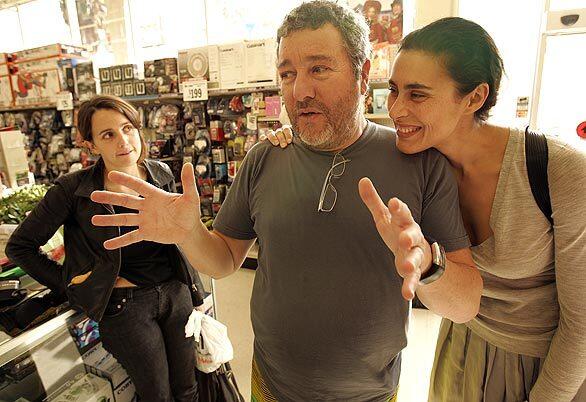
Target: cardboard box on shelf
[232, 64]
[126, 392]
[43, 52]
[128, 88]
[6, 92]
[260, 60]
[84, 388]
[117, 89]
[38, 82]
[139, 87]
[106, 88]
[129, 72]
[200, 63]
[116, 73]
[13, 160]
[96, 356]
[111, 370]
[86, 85]
[87, 91]
[105, 74]
[99, 361]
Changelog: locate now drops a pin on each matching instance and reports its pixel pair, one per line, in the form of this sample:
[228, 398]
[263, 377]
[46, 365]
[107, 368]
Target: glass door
[559, 92]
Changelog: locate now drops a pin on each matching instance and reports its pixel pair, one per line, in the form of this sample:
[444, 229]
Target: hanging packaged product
[273, 106]
[223, 105]
[168, 119]
[236, 105]
[230, 129]
[206, 207]
[233, 167]
[85, 83]
[189, 131]
[251, 139]
[230, 149]
[216, 130]
[251, 121]
[219, 193]
[221, 172]
[203, 168]
[212, 105]
[205, 186]
[219, 155]
[239, 147]
[202, 143]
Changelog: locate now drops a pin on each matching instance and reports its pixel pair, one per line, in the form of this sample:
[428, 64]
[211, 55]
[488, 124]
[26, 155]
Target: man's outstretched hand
[401, 234]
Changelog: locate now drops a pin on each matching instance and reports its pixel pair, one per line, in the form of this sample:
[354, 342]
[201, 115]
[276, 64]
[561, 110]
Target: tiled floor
[233, 299]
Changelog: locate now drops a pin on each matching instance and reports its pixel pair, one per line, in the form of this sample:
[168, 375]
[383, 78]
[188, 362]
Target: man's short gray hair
[351, 25]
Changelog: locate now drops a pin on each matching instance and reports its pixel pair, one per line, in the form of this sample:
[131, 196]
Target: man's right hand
[162, 217]
[280, 137]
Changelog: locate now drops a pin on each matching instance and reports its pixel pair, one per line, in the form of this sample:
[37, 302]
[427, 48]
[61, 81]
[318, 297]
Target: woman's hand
[281, 137]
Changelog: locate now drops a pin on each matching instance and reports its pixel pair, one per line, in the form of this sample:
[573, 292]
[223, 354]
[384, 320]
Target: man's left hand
[401, 234]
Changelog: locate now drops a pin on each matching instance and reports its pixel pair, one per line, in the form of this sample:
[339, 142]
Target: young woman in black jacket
[141, 295]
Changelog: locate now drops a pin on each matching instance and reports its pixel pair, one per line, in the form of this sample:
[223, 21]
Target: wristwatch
[438, 265]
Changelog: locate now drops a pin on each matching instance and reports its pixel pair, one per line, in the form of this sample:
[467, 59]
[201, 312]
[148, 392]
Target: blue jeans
[143, 328]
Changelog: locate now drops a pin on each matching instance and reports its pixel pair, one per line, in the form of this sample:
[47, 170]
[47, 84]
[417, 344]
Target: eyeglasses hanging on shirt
[329, 195]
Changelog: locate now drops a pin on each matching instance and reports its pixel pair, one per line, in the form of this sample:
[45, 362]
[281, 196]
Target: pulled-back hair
[467, 52]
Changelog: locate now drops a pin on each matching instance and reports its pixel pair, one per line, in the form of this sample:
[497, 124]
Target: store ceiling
[12, 3]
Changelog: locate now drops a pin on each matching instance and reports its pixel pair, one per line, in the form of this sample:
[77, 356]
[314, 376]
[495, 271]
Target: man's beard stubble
[340, 123]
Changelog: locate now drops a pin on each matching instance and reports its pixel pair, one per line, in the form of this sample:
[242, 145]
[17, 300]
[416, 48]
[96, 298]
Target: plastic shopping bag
[214, 348]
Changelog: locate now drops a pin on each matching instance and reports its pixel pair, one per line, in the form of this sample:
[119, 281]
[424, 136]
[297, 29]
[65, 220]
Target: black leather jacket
[68, 203]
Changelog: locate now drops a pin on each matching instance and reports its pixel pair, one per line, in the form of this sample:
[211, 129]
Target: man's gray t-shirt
[327, 312]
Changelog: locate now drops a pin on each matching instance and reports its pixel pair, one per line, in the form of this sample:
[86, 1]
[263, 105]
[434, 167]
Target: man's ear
[477, 97]
[364, 77]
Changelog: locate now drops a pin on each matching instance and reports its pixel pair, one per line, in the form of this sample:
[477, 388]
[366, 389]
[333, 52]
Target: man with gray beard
[331, 294]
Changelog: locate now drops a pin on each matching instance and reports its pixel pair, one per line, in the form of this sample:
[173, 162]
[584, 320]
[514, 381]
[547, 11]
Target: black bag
[218, 386]
[536, 159]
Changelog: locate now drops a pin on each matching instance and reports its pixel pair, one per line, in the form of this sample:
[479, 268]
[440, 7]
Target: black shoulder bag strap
[536, 158]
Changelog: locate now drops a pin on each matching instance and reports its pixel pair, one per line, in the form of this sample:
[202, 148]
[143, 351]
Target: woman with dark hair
[528, 341]
[141, 295]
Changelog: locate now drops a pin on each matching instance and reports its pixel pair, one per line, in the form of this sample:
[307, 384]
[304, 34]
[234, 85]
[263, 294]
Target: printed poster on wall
[384, 17]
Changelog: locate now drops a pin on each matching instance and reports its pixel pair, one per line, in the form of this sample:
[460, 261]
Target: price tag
[195, 91]
[64, 101]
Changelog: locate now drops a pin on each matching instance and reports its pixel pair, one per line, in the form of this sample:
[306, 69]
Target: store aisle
[233, 297]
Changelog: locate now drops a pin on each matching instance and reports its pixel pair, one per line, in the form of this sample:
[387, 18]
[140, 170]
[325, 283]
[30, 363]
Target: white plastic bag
[214, 348]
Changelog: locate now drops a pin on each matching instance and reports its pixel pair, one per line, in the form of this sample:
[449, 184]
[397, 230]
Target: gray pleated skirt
[468, 369]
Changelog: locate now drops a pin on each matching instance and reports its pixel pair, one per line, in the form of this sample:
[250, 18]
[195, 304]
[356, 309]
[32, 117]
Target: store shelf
[379, 81]
[153, 98]
[28, 107]
[241, 91]
[15, 347]
[370, 116]
[271, 118]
